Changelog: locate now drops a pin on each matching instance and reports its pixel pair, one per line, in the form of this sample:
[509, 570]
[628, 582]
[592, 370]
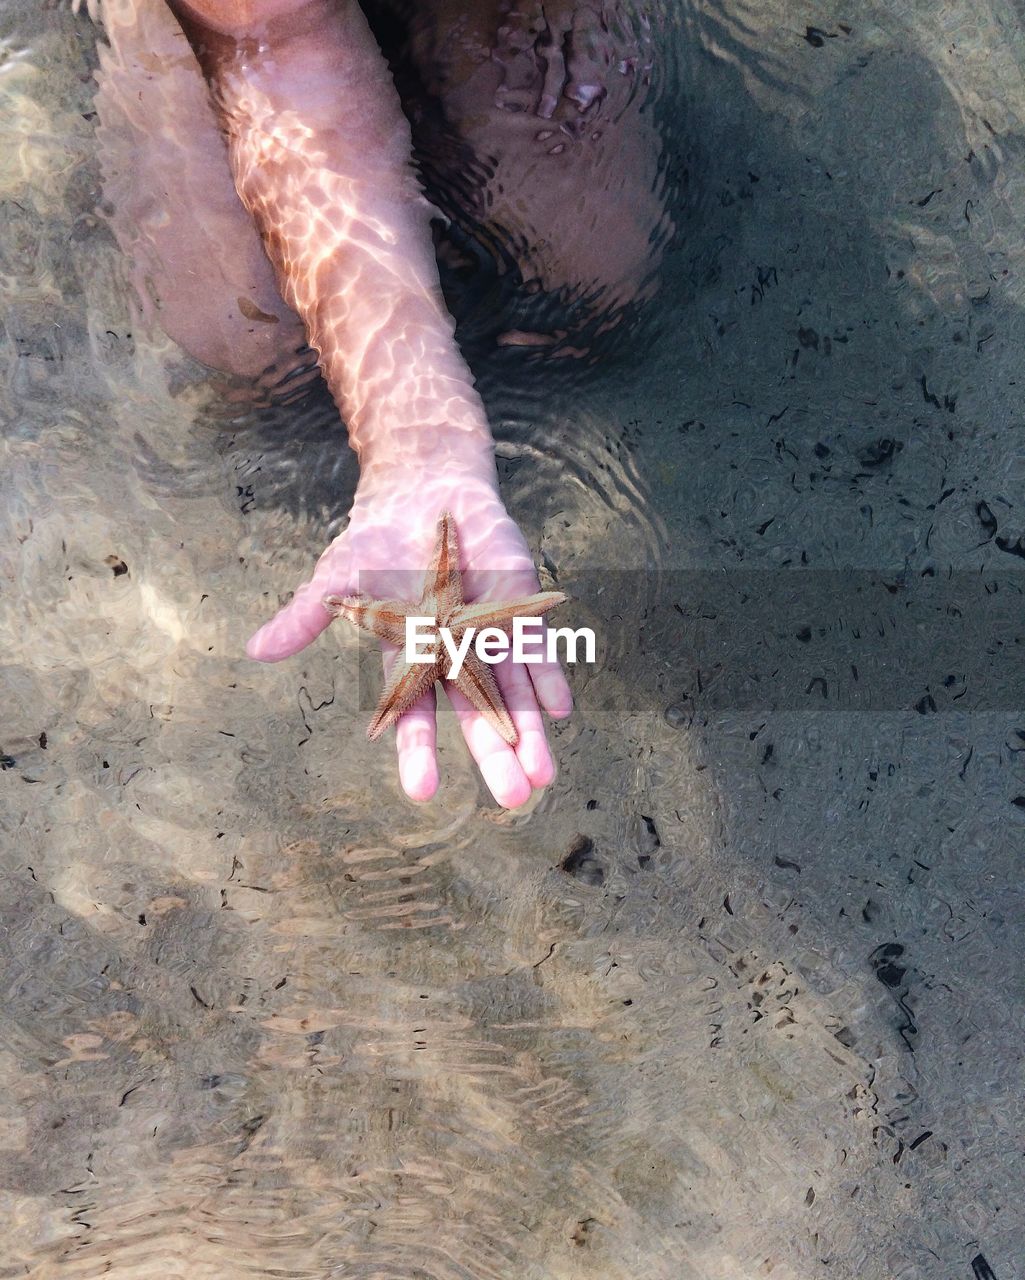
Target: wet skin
[320, 152]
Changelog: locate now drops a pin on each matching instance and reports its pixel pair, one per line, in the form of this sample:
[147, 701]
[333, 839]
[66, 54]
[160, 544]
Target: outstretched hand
[383, 553]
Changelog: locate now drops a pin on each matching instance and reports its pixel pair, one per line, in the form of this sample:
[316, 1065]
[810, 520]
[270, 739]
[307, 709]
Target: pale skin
[320, 153]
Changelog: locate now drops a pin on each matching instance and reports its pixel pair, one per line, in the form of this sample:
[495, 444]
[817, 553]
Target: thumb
[304, 617]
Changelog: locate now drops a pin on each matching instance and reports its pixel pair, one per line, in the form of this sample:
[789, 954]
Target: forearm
[320, 151]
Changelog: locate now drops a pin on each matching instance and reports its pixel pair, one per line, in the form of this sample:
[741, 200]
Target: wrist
[418, 477]
[402, 458]
[424, 482]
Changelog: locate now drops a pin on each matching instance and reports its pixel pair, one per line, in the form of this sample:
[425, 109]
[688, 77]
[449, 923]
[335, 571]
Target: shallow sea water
[741, 995]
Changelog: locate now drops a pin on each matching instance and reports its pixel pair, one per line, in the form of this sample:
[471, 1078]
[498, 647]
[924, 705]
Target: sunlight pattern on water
[737, 996]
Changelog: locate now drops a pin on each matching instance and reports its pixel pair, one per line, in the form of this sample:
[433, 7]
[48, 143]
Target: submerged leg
[551, 102]
[320, 153]
[195, 256]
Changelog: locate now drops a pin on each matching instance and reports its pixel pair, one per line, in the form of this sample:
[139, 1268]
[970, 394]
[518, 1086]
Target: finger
[532, 748]
[293, 627]
[495, 758]
[416, 736]
[546, 674]
[304, 617]
[551, 687]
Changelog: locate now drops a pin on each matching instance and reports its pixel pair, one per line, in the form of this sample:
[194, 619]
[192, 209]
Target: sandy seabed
[742, 995]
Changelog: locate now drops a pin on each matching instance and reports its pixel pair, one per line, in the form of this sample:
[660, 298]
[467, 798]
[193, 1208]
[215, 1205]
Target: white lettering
[492, 644]
[571, 637]
[530, 643]
[456, 653]
[414, 639]
[527, 631]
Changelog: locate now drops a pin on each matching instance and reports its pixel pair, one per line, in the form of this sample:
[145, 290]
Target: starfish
[442, 599]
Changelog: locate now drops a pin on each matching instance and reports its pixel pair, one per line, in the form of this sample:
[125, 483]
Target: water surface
[741, 995]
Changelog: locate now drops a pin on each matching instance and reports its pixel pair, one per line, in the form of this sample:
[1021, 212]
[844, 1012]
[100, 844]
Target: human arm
[320, 152]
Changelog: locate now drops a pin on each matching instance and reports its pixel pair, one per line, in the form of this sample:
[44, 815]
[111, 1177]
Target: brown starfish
[441, 599]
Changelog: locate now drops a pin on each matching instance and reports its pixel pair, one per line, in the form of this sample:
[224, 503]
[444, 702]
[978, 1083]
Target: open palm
[383, 553]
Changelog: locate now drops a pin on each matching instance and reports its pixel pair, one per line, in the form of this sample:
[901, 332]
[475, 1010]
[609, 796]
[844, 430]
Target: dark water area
[741, 994]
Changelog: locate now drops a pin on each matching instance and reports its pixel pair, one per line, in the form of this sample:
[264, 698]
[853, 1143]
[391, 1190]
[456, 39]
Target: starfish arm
[476, 683]
[441, 599]
[408, 684]
[444, 584]
[383, 618]
[485, 613]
